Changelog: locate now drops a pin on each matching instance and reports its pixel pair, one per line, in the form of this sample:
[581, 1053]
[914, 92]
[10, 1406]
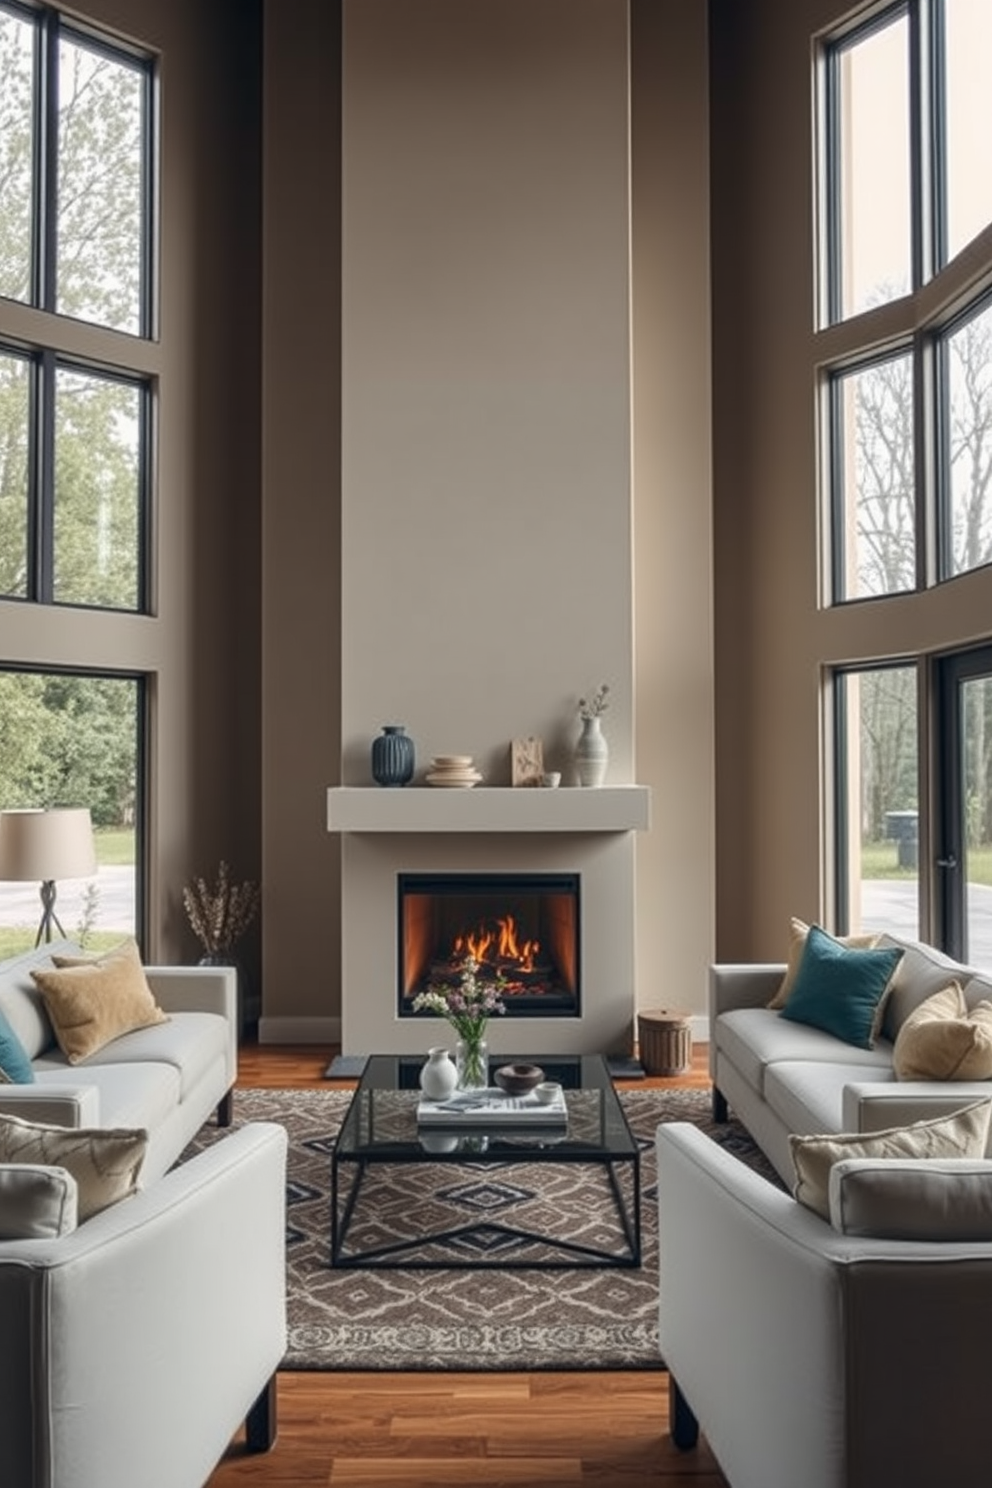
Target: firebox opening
[523, 925]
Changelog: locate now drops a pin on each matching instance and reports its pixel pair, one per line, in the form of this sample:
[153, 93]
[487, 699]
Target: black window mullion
[47, 186]
[44, 523]
[935, 77]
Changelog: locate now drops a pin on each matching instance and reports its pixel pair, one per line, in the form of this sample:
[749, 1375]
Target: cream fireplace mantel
[615, 808]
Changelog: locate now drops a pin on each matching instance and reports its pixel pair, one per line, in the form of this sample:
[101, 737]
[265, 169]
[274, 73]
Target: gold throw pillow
[943, 1039]
[92, 1002]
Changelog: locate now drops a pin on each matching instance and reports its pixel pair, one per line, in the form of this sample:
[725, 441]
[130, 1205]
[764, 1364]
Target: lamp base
[48, 915]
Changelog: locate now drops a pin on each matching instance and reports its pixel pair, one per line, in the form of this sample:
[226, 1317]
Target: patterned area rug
[461, 1319]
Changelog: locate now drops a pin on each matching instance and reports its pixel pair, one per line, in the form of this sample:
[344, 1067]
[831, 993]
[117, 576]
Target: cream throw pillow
[105, 1164]
[92, 1002]
[798, 931]
[945, 1040]
[962, 1134]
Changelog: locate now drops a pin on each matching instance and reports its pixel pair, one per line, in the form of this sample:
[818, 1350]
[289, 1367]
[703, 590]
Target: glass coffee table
[404, 1196]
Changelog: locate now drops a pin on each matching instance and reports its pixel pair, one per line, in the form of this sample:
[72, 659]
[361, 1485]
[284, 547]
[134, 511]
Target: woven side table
[665, 1041]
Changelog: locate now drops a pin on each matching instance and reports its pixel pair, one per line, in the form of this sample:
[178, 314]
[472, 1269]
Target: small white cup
[547, 1092]
[551, 780]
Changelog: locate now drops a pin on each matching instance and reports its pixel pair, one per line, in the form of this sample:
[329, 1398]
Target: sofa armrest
[168, 1319]
[200, 989]
[872, 1107]
[743, 985]
[58, 1105]
[196, 989]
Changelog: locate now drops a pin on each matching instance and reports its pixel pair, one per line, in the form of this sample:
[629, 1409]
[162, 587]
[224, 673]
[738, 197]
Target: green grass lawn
[881, 860]
[114, 845]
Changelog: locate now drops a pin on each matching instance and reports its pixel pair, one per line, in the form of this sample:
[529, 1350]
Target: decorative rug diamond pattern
[470, 1319]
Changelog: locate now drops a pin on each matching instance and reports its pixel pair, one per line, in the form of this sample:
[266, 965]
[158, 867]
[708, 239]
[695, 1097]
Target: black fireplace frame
[547, 1005]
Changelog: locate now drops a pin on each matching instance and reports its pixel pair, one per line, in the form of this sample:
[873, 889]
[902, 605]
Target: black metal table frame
[398, 1254]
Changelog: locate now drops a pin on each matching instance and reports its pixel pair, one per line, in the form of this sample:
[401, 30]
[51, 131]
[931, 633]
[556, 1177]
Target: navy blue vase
[393, 756]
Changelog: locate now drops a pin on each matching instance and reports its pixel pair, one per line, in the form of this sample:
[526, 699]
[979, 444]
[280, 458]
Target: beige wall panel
[486, 414]
[672, 500]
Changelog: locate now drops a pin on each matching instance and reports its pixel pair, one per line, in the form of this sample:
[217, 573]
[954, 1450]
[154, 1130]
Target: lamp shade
[47, 845]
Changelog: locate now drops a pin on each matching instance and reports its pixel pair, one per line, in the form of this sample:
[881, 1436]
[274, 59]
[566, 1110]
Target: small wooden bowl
[518, 1079]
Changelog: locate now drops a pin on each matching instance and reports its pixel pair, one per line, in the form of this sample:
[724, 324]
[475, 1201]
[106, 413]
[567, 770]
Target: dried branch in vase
[219, 916]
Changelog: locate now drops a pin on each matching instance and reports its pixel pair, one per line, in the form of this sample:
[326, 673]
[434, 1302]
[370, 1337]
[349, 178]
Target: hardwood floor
[541, 1430]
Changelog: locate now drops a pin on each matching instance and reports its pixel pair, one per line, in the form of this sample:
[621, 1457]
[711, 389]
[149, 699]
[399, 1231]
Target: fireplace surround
[580, 837]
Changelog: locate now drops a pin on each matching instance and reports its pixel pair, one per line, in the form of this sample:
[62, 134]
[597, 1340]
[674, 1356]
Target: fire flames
[501, 946]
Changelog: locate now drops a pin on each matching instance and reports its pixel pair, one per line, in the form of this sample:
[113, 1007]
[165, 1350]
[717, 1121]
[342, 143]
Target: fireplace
[524, 927]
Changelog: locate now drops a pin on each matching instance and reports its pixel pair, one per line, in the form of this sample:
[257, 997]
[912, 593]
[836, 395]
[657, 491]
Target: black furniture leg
[225, 1109]
[682, 1424]
[720, 1111]
[260, 1422]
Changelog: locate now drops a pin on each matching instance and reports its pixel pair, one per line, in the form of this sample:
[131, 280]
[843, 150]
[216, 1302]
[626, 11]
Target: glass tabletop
[381, 1122]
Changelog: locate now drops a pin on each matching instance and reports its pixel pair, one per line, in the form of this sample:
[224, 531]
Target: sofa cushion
[130, 1095]
[104, 1163]
[92, 1002]
[798, 931]
[922, 971]
[37, 1203]
[944, 1039]
[903, 1199]
[962, 1134]
[15, 1066]
[808, 1096]
[189, 1042]
[755, 1038]
[841, 989]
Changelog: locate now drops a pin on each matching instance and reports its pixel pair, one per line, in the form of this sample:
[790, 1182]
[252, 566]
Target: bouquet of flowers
[467, 1006]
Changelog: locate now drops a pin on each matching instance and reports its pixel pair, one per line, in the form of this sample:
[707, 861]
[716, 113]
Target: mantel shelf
[608, 808]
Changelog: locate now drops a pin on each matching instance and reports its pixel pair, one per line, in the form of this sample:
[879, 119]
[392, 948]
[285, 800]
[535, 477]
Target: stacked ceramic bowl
[453, 770]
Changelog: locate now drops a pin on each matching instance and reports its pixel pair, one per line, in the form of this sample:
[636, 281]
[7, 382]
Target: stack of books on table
[492, 1107]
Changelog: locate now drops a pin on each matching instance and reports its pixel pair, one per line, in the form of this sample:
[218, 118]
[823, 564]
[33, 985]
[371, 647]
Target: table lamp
[47, 845]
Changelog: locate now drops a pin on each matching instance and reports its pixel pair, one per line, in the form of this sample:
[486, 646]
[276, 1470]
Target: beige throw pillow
[945, 1040]
[92, 1002]
[105, 1164]
[798, 931]
[962, 1134]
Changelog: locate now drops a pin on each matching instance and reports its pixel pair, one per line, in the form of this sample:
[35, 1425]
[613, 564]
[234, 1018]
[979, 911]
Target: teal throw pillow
[842, 989]
[14, 1062]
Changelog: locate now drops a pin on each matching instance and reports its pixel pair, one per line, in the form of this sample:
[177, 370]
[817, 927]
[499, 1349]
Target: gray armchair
[813, 1357]
[134, 1347]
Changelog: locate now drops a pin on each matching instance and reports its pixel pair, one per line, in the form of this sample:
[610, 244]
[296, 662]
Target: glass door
[964, 836]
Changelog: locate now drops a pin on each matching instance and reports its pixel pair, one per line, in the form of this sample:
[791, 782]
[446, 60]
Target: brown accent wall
[774, 641]
[200, 648]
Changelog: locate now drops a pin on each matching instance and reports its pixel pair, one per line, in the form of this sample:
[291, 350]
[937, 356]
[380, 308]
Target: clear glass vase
[472, 1063]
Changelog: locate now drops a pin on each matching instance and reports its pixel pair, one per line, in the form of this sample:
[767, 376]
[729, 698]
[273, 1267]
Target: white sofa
[134, 1346]
[167, 1078]
[813, 1358]
[780, 1077]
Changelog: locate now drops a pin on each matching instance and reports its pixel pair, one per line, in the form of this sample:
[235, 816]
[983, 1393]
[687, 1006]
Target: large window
[876, 750]
[72, 739]
[905, 399]
[79, 364]
[906, 164]
[76, 237]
